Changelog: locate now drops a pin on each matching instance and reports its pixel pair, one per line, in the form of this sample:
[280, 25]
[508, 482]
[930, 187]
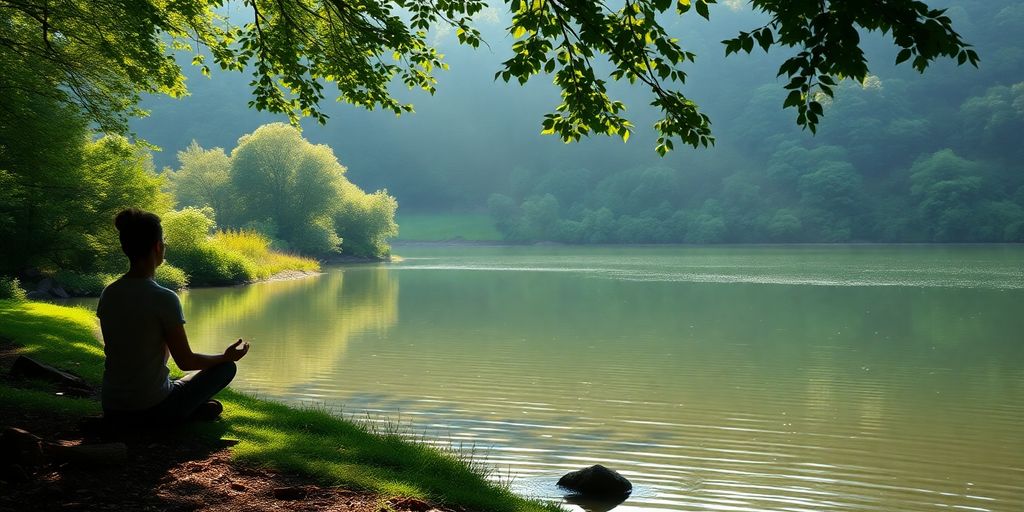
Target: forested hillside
[901, 157]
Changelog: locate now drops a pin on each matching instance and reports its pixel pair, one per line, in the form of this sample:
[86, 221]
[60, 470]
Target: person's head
[142, 237]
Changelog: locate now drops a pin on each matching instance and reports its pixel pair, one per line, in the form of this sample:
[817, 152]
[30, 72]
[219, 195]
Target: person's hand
[236, 350]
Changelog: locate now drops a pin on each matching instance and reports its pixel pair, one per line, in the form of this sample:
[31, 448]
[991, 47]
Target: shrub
[84, 284]
[172, 277]
[209, 265]
[256, 248]
[188, 228]
[251, 244]
[10, 288]
[366, 222]
[226, 257]
[315, 237]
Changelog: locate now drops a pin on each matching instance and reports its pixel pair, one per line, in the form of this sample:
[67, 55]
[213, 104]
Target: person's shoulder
[161, 291]
[117, 292]
[137, 287]
[113, 288]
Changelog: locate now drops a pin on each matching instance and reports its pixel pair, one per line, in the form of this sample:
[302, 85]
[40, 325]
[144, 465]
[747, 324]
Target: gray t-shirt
[135, 313]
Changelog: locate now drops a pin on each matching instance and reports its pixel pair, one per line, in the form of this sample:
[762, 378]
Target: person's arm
[181, 351]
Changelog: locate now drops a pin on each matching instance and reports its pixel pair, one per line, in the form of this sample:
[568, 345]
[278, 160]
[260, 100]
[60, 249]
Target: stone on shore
[45, 285]
[597, 481]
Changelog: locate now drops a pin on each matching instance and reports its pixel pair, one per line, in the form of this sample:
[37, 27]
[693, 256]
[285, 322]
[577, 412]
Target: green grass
[234, 257]
[263, 261]
[60, 336]
[424, 227]
[329, 450]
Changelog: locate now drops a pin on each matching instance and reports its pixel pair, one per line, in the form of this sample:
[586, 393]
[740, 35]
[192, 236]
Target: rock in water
[596, 481]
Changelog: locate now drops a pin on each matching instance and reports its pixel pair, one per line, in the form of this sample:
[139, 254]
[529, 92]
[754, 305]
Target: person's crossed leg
[191, 395]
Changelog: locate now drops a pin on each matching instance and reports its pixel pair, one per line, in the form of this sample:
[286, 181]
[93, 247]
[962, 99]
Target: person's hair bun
[124, 218]
[138, 231]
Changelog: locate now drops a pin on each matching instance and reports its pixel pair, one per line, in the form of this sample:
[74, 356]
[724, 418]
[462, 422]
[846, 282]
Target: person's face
[161, 246]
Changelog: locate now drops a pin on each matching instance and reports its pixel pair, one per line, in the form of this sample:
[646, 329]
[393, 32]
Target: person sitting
[142, 324]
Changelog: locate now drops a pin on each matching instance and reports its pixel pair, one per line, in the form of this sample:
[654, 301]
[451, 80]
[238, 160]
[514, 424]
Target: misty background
[903, 157]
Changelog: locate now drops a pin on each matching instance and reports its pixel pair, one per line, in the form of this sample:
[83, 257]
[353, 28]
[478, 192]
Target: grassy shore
[226, 258]
[326, 449]
[440, 227]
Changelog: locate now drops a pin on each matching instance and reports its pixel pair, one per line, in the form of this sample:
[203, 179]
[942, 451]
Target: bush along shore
[197, 259]
[227, 219]
[306, 457]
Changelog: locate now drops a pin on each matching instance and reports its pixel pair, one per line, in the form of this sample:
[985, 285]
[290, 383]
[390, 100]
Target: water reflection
[593, 505]
[299, 329]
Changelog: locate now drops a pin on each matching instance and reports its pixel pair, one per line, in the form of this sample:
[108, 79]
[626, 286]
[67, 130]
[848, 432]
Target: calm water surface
[735, 379]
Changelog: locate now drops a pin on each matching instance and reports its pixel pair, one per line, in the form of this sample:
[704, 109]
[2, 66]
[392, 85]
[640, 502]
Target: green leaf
[793, 99]
[702, 9]
[904, 54]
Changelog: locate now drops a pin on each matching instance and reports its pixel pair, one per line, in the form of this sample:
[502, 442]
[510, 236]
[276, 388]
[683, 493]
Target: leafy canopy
[279, 184]
[102, 54]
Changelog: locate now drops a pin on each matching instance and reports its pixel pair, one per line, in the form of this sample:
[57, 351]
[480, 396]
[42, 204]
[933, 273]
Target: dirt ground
[164, 473]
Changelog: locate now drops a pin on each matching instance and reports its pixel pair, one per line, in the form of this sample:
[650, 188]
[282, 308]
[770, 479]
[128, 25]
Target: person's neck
[141, 270]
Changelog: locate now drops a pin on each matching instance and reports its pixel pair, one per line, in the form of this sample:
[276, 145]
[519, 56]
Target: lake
[745, 378]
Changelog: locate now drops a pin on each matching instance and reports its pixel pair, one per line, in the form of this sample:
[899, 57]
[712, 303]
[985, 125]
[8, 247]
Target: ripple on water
[845, 385]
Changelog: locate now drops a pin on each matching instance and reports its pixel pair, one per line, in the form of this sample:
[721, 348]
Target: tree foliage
[279, 184]
[203, 179]
[910, 160]
[366, 222]
[59, 190]
[103, 54]
[280, 179]
[805, 195]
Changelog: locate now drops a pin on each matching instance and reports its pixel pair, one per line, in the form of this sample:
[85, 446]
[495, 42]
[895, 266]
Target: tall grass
[234, 257]
[256, 249]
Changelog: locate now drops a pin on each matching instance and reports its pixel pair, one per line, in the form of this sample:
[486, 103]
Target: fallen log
[27, 368]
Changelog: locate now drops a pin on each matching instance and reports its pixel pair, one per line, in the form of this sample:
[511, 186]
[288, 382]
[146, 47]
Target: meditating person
[143, 323]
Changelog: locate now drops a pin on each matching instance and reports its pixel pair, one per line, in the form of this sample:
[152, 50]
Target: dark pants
[187, 394]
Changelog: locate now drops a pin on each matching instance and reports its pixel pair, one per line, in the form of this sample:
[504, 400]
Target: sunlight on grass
[255, 248]
[53, 333]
